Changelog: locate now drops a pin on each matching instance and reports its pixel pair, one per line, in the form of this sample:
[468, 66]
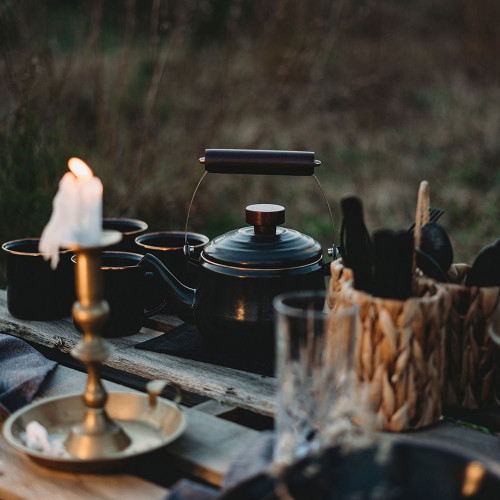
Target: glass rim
[298, 312]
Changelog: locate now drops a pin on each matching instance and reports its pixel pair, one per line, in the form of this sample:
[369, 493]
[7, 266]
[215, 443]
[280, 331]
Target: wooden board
[245, 390]
[21, 478]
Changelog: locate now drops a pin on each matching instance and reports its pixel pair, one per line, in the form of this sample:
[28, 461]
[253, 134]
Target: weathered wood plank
[213, 407]
[23, 479]
[245, 390]
[206, 449]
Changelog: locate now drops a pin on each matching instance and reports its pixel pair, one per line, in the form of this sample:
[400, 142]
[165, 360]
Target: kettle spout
[173, 290]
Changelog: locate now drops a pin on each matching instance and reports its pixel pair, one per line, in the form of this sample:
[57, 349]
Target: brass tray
[150, 428]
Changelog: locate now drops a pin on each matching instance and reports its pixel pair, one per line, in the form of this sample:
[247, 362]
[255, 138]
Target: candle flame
[79, 168]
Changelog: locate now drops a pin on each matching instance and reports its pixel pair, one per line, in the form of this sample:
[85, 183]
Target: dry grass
[386, 95]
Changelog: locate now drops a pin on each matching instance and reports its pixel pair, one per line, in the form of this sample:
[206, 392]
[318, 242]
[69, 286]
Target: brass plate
[149, 429]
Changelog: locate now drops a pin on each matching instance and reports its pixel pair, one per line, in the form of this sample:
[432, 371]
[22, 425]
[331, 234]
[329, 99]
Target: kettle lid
[266, 245]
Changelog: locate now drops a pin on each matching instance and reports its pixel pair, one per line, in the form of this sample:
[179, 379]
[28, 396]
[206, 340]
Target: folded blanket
[22, 371]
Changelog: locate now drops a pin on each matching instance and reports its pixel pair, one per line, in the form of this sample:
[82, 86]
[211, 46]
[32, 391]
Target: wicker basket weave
[473, 359]
[340, 275]
[401, 349]
[401, 352]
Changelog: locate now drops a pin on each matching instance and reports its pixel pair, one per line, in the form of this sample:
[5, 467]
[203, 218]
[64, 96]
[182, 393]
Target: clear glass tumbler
[315, 371]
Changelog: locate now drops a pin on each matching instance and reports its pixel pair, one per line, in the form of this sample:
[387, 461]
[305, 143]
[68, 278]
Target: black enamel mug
[168, 246]
[130, 230]
[34, 290]
[125, 289]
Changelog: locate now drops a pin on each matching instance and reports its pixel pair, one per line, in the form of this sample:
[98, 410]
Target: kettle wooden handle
[256, 161]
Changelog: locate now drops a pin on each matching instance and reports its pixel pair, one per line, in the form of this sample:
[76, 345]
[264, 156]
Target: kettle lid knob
[265, 217]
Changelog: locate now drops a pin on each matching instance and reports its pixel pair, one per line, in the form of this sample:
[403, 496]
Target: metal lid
[264, 246]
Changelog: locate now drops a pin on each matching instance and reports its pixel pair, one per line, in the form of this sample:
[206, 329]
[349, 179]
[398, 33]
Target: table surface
[211, 441]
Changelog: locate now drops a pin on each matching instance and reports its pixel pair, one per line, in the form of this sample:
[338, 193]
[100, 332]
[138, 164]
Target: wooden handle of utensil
[421, 217]
[264, 162]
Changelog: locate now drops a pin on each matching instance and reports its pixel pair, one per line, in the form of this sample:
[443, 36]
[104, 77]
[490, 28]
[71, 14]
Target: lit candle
[76, 212]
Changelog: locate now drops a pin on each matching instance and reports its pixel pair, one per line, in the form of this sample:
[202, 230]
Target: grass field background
[385, 93]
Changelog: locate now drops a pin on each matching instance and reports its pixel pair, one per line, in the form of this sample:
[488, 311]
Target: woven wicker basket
[339, 276]
[473, 359]
[401, 352]
[401, 349]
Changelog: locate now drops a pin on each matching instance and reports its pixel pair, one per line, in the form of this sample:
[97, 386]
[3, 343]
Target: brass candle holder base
[149, 425]
[96, 432]
[98, 436]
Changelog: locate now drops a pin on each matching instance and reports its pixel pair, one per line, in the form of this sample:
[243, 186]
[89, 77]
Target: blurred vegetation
[386, 94]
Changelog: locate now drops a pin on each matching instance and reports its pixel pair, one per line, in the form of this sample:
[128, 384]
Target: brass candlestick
[97, 435]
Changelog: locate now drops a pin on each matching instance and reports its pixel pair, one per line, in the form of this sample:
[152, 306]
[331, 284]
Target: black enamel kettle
[240, 272]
